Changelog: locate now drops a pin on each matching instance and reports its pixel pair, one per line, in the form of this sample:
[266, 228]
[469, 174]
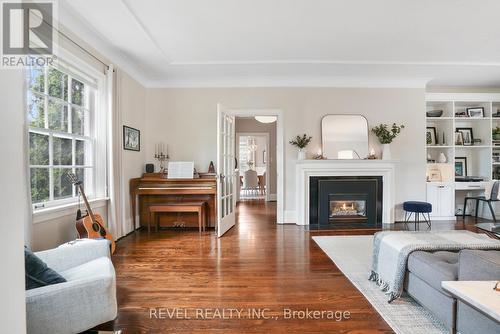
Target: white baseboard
[272, 198]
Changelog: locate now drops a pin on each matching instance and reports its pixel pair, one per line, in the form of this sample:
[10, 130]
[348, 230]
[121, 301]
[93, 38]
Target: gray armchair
[87, 299]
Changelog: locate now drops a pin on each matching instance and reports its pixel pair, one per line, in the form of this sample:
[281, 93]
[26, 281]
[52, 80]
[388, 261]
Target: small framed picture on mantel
[131, 139]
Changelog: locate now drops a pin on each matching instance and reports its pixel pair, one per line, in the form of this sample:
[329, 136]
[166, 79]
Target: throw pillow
[37, 273]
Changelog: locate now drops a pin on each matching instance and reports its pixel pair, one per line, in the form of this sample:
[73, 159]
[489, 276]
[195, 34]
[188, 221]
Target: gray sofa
[87, 299]
[426, 271]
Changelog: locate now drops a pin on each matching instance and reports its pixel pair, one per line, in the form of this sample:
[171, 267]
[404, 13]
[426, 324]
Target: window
[247, 153]
[61, 106]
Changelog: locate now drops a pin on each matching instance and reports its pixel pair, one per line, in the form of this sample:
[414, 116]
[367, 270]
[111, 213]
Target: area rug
[404, 315]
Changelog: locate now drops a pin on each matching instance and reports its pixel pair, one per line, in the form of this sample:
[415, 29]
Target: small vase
[386, 151]
[442, 158]
[301, 155]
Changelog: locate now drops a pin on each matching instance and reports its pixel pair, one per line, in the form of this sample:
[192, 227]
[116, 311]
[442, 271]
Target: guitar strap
[79, 211]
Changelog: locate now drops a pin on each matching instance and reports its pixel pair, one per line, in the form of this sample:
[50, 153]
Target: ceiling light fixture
[266, 119]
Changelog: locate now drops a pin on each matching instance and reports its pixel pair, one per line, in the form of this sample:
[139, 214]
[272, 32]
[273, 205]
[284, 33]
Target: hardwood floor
[257, 265]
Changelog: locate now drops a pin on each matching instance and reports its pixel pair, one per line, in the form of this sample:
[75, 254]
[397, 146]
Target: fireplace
[345, 202]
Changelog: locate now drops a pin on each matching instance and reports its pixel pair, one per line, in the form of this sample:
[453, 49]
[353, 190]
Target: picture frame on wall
[131, 139]
[467, 136]
[476, 112]
[431, 136]
[461, 166]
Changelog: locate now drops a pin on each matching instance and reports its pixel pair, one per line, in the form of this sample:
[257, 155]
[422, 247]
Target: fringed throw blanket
[392, 248]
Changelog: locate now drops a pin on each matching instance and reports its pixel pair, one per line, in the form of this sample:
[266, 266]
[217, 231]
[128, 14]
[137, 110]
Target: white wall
[132, 104]
[13, 201]
[52, 231]
[185, 118]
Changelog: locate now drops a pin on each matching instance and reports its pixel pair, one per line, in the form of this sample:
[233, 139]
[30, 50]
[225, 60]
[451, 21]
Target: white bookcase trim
[479, 156]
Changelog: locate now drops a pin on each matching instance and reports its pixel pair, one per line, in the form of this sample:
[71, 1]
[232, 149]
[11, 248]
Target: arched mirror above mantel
[344, 136]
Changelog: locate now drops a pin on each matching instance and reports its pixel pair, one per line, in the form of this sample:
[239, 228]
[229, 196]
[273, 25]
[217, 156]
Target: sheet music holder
[180, 170]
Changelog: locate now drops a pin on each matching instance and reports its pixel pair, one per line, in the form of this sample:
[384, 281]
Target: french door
[226, 175]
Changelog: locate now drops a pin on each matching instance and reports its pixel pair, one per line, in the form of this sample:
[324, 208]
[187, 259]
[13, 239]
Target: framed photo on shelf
[460, 166]
[434, 175]
[431, 136]
[459, 140]
[467, 136]
[131, 139]
[476, 112]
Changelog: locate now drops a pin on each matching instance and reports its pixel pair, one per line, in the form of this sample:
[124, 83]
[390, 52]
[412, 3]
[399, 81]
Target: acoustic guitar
[92, 225]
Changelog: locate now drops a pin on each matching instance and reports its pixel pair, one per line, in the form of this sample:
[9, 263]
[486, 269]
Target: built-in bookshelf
[477, 151]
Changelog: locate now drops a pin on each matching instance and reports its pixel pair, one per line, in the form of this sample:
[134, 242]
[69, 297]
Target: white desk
[478, 294]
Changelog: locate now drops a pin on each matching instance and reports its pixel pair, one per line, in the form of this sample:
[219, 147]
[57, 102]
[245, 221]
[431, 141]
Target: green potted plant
[301, 142]
[496, 133]
[386, 135]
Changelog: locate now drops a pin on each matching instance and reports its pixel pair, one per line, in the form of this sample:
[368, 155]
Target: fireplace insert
[345, 202]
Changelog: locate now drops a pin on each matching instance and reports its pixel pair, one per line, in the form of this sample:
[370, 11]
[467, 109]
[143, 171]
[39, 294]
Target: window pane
[62, 153]
[78, 119]
[58, 116]
[39, 184]
[77, 92]
[36, 79]
[58, 84]
[80, 175]
[62, 185]
[39, 149]
[80, 152]
[36, 112]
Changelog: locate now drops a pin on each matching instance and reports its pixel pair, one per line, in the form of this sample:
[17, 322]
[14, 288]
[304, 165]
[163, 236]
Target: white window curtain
[115, 172]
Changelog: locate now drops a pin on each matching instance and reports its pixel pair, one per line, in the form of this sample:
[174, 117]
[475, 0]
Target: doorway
[271, 185]
[254, 158]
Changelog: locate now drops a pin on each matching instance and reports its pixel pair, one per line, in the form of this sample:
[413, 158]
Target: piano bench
[198, 207]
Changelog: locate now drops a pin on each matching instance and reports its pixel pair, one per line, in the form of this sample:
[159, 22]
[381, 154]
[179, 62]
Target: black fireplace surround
[345, 202]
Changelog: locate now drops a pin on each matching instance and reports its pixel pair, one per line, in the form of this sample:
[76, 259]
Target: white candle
[372, 152]
[167, 151]
[156, 149]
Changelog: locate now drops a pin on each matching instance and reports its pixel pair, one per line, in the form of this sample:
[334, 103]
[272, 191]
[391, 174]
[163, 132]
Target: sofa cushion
[479, 265]
[90, 270]
[37, 273]
[433, 268]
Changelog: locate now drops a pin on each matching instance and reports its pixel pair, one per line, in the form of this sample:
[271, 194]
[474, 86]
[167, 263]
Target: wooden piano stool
[198, 207]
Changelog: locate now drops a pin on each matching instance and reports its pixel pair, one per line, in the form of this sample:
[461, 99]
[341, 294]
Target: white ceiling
[295, 42]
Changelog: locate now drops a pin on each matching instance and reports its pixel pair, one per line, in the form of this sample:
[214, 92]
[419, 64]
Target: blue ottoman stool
[417, 208]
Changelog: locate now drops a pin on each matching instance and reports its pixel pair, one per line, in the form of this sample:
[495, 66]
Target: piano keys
[155, 188]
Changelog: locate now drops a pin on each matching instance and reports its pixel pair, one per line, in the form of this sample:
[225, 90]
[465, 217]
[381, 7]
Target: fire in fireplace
[347, 209]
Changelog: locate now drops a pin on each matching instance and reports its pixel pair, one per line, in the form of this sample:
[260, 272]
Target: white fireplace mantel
[307, 168]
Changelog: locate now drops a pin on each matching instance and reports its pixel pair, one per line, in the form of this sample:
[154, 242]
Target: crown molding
[78, 26]
[332, 62]
[256, 82]
[145, 30]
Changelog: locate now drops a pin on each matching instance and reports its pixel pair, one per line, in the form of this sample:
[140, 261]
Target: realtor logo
[27, 34]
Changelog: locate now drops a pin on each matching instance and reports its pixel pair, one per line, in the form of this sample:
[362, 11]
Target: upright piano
[155, 188]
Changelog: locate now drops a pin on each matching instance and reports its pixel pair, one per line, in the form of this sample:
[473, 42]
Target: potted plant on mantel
[386, 135]
[301, 143]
